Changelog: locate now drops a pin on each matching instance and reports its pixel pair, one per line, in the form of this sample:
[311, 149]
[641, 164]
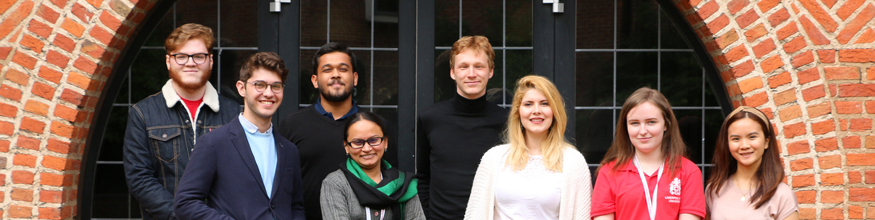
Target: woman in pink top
[644, 174]
[746, 181]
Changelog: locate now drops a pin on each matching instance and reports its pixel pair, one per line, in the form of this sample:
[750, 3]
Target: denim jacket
[158, 143]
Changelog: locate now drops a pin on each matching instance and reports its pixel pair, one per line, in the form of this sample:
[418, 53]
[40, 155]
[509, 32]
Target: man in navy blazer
[245, 169]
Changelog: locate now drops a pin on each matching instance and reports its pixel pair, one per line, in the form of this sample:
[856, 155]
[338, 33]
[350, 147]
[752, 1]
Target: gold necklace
[743, 195]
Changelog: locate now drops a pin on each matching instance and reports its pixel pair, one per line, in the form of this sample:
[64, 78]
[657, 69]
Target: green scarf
[388, 188]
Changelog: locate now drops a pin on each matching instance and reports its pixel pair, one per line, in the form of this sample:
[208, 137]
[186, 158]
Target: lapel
[238, 139]
[280, 162]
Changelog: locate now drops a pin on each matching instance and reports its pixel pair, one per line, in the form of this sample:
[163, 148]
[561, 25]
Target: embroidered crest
[675, 187]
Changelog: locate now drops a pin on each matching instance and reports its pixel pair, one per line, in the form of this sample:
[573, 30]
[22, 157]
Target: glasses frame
[190, 57]
[383, 138]
[272, 87]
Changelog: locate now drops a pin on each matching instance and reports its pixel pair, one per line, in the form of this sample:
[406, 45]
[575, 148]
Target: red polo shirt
[622, 193]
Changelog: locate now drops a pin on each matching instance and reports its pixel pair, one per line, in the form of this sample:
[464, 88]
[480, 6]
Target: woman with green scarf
[366, 187]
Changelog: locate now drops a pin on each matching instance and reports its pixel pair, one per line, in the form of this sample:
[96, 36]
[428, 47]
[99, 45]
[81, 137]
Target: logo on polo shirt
[675, 187]
[675, 190]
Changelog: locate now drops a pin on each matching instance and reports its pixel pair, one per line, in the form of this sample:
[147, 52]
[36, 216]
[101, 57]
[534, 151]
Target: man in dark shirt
[318, 129]
[454, 134]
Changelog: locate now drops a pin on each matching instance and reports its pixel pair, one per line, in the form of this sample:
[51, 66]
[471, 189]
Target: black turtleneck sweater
[453, 136]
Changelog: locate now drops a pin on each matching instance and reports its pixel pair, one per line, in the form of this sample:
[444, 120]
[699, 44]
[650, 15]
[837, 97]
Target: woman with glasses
[366, 186]
[537, 174]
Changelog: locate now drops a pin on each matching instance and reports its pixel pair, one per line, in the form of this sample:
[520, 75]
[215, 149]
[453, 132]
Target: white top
[531, 193]
[575, 192]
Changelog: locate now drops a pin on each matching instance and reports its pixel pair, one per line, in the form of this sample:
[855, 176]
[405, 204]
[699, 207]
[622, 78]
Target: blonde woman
[536, 174]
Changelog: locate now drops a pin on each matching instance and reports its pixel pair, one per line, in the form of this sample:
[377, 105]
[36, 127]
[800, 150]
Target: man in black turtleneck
[454, 134]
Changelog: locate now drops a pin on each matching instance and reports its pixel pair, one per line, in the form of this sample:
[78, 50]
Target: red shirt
[192, 106]
[622, 193]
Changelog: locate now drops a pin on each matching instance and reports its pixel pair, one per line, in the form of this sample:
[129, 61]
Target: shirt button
[164, 136]
[199, 121]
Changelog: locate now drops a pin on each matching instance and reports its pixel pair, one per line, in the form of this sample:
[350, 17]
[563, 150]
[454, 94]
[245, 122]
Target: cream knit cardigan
[576, 191]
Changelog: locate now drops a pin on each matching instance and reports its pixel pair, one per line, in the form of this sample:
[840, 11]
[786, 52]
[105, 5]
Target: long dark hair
[673, 147]
[768, 175]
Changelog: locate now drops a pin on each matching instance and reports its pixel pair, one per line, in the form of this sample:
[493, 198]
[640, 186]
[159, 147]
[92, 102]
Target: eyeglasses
[182, 59]
[359, 143]
[260, 86]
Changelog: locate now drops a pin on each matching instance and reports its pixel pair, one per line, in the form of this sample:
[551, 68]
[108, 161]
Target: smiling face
[747, 142]
[536, 113]
[367, 157]
[646, 127]
[190, 76]
[260, 105]
[335, 78]
[471, 72]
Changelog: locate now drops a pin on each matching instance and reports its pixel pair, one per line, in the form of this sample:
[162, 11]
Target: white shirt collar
[211, 97]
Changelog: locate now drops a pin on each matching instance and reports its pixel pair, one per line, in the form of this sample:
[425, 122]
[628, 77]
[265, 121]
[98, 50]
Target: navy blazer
[222, 180]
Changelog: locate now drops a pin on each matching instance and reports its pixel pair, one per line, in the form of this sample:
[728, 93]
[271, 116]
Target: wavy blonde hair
[552, 147]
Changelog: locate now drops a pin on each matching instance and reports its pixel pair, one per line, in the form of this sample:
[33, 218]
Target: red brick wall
[809, 65]
[55, 56]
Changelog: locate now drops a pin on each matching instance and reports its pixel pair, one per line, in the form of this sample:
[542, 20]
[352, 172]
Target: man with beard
[454, 134]
[162, 128]
[318, 129]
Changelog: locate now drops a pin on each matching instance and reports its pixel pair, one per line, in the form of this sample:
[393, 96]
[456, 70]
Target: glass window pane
[111, 198]
[681, 79]
[348, 23]
[385, 78]
[594, 139]
[670, 35]
[307, 93]
[227, 72]
[444, 86]
[483, 17]
[446, 22]
[114, 136]
[361, 91]
[713, 121]
[519, 64]
[238, 28]
[159, 34]
[595, 78]
[518, 23]
[148, 74]
[635, 70]
[198, 12]
[314, 31]
[595, 24]
[637, 24]
[690, 124]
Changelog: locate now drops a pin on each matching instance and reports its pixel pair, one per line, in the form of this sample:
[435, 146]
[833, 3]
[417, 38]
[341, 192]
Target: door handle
[558, 7]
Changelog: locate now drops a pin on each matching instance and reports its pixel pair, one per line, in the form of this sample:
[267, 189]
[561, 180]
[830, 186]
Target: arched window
[618, 46]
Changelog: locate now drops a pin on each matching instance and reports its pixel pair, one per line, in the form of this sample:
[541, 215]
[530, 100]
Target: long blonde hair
[555, 143]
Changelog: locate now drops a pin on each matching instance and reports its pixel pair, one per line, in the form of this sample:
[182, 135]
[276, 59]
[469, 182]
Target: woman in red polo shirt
[644, 174]
[746, 181]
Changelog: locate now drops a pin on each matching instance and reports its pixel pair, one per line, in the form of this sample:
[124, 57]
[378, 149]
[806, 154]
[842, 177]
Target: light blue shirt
[263, 149]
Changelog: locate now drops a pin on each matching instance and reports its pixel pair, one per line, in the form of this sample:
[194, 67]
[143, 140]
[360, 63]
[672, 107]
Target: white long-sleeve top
[576, 191]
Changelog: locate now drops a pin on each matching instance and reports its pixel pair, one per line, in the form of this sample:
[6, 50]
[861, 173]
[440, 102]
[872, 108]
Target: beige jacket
[576, 191]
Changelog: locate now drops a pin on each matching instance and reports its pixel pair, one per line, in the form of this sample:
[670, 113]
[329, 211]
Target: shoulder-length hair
[622, 150]
[768, 175]
[552, 147]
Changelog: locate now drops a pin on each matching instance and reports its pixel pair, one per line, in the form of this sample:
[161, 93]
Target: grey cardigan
[339, 202]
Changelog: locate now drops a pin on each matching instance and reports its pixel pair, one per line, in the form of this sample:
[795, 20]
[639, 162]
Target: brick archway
[808, 64]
